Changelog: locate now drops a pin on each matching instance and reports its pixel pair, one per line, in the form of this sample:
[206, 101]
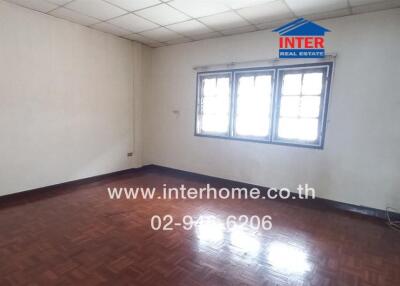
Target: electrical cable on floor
[393, 224]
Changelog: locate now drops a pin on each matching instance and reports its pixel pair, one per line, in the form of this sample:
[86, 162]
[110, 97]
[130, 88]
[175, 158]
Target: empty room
[200, 142]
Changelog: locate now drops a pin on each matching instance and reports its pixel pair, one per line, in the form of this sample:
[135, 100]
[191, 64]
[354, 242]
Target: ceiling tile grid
[133, 5]
[110, 28]
[97, 9]
[224, 21]
[133, 23]
[73, 16]
[39, 5]
[161, 34]
[163, 14]
[157, 23]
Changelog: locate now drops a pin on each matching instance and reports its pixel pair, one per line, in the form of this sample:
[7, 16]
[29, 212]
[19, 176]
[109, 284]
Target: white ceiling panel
[239, 30]
[73, 16]
[376, 6]
[141, 39]
[133, 23]
[37, 5]
[199, 8]
[156, 44]
[307, 7]
[224, 21]
[97, 9]
[363, 2]
[330, 14]
[266, 13]
[161, 34]
[59, 2]
[238, 4]
[132, 5]
[207, 36]
[136, 37]
[179, 41]
[189, 28]
[163, 15]
[110, 28]
[273, 24]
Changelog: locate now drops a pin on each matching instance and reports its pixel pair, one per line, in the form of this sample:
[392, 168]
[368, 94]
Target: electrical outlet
[130, 154]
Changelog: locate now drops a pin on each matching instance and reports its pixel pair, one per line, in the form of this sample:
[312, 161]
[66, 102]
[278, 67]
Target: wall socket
[130, 154]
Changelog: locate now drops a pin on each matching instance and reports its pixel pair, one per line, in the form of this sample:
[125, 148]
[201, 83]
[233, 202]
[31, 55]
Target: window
[281, 105]
[214, 104]
[299, 112]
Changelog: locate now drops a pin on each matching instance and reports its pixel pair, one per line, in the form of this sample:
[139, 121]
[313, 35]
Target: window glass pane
[290, 106]
[223, 87]
[298, 128]
[209, 88]
[253, 106]
[214, 123]
[312, 84]
[215, 105]
[308, 129]
[291, 84]
[287, 128]
[310, 106]
[245, 85]
[255, 128]
[262, 86]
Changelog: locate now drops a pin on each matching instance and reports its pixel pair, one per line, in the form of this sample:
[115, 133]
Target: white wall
[361, 160]
[69, 101]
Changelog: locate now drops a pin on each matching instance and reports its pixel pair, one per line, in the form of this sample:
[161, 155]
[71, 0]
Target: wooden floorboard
[76, 235]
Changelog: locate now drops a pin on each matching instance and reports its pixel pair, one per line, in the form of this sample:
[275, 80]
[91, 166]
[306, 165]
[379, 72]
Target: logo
[301, 38]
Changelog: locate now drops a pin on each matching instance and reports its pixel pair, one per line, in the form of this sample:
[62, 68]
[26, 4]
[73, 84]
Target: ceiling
[167, 22]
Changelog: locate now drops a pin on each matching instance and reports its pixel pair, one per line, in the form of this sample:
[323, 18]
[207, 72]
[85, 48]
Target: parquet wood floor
[77, 236]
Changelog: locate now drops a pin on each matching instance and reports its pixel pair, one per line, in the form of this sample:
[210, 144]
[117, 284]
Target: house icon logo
[301, 38]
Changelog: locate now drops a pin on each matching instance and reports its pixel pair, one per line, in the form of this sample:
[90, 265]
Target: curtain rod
[274, 61]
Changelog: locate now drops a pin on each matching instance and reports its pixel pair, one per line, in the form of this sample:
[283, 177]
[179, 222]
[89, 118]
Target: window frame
[277, 72]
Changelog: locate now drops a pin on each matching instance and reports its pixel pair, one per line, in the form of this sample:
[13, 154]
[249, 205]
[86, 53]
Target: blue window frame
[284, 105]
